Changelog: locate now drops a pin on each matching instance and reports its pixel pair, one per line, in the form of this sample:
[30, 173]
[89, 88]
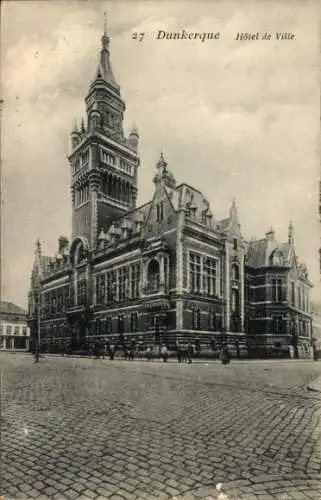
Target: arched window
[153, 275]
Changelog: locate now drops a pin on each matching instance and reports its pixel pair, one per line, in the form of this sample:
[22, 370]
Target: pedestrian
[178, 352]
[112, 351]
[184, 353]
[149, 353]
[225, 355]
[190, 352]
[164, 353]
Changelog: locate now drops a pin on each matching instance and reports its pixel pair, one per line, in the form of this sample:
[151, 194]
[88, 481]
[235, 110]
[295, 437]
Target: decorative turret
[163, 174]
[134, 137]
[75, 135]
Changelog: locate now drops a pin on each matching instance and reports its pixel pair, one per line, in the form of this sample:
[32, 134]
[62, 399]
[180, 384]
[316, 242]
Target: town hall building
[165, 271]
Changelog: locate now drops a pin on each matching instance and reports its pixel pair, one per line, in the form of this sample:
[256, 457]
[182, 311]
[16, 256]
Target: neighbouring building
[165, 271]
[14, 332]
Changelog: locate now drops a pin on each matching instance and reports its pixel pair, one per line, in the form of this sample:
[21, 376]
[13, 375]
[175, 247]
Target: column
[161, 272]
[12, 343]
[242, 292]
[27, 343]
[227, 286]
[179, 269]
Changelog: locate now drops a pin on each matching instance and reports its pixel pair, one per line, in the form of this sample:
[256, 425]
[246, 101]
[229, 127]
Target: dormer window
[277, 259]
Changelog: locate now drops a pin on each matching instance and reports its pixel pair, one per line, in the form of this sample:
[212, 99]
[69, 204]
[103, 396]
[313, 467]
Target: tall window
[212, 320]
[277, 292]
[195, 272]
[278, 325]
[234, 243]
[235, 301]
[109, 324]
[299, 298]
[292, 293]
[111, 287]
[121, 325]
[100, 288]
[153, 275]
[196, 318]
[81, 289]
[123, 278]
[235, 272]
[135, 279]
[134, 322]
[209, 273]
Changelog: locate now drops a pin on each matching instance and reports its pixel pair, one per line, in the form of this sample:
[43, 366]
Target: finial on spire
[82, 127]
[233, 208]
[38, 247]
[105, 37]
[290, 233]
[105, 23]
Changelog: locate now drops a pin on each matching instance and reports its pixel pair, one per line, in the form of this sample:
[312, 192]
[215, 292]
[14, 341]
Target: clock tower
[104, 163]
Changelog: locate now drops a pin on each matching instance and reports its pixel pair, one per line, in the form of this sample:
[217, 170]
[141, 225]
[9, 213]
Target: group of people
[185, 351]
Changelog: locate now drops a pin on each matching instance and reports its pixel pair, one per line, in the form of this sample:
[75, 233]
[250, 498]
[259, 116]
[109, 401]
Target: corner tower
[104, 163]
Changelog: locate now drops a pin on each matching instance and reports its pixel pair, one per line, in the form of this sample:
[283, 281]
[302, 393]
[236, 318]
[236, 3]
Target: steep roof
[10, 308]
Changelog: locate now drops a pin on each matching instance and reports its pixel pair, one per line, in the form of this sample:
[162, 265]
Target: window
[100, 288]
[212, 320]
[9, 330]
[292, 293]
[235, 301]
[277, 292]
[111, 287]
[134, 321]
[109, 324]
[235, 272]
[153, 275]
[196, 318]
[121, 324]
[195, 272]
[234, 243]
[81, 289]
[278, 325]
[135, 279]
[123, 278]
[299, 298]
[209, 273]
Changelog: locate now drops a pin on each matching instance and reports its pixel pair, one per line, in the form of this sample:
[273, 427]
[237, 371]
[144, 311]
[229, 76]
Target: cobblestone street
[81, 428]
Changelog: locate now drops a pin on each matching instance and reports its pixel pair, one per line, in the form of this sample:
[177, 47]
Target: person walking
[164, 353]
[178, 352]
[190, 352]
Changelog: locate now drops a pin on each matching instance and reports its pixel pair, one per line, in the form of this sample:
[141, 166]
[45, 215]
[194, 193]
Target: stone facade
[166, 271]
[14, 332]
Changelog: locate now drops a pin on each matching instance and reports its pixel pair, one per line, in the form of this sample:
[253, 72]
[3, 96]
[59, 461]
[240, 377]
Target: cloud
[234, 118]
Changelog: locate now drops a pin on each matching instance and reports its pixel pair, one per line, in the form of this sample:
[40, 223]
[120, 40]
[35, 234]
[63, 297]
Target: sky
[234, 118]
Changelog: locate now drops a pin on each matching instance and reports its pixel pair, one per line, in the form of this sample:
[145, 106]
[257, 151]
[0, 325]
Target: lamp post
[294, 337]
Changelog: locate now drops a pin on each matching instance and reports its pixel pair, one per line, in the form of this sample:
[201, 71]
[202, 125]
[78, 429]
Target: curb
[315, 385]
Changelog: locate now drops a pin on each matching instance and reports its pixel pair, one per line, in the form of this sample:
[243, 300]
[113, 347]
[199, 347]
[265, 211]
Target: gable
[161, 215]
